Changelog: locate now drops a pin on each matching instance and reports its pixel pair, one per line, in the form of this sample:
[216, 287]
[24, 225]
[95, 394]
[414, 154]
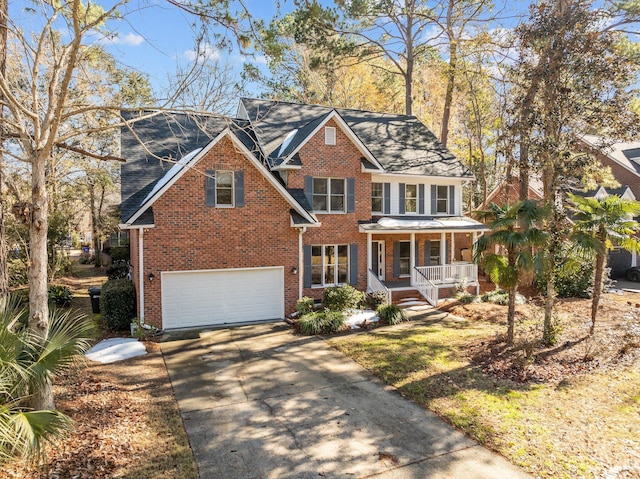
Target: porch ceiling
[423, 224]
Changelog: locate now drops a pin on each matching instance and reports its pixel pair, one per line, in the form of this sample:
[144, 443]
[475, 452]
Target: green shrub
[497, 296]
[87, 259]
[321, 322]
[391, 314]
[60, 295]
[118, 303]
[376, 299]
[118, 269]
[304, 305]
[573, 278]
[119, 253]
[17, 272]
[341, 298]
[466, 297]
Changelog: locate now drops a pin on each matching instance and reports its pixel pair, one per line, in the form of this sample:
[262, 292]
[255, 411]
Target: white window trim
[417, 199]
[233, 189]
[330, 135]
[323, 284]
[438, 198]
[381, 211]
[329, 211]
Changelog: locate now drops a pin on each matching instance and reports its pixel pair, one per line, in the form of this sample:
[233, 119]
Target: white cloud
[205, 52]
[129, 39]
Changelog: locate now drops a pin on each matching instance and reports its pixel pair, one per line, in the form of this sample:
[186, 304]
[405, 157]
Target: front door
[377, 258]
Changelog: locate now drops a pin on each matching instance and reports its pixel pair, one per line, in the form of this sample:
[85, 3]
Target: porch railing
[424, 286]
[374, 284]
[450, 273]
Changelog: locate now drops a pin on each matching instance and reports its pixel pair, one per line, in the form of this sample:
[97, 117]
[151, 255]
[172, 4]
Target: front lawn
[576, 424]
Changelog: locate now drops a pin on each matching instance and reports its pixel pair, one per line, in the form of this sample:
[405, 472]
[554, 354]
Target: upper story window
[329, 195]
[411, 198]
[329, 135]
[442, 199]
[377, 198]
[224, 188]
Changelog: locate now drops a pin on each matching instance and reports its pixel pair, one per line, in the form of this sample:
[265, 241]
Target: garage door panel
[203, 298]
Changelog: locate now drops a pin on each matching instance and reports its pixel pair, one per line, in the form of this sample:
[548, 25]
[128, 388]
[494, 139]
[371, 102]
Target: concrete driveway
[260, 402]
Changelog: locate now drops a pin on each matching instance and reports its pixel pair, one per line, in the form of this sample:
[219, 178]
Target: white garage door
[215, 297]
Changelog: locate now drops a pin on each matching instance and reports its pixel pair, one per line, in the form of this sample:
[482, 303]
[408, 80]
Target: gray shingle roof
[167, 135]
[401, 143]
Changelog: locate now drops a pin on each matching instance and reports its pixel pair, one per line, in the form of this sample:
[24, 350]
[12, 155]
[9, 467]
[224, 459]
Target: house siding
[188, 235]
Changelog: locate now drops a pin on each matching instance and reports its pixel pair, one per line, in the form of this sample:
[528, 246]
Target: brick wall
[622, 175]
[341, 160]
[189, 235]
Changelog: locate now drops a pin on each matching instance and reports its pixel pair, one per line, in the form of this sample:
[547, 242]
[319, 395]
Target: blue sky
[155, 38]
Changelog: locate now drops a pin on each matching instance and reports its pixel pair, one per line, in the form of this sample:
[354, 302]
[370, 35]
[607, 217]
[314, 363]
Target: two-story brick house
[252, 213]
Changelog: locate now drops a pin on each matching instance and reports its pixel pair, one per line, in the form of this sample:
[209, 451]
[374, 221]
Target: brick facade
[188, 235]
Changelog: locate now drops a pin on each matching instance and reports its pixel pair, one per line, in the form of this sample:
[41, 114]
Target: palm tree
[26, 362]
[514, 230]
[599, 224]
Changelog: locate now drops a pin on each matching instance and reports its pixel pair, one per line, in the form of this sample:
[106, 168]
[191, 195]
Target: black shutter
[402, 201]
[421, 199]
[416, 254]
[452, 200]
[308, 190]
[427, 253]
[434, 200]
[387, 198]
[353, 264]
[210, 187]
[351, 191]
[396, 258]
[306, 250]
[238, 180]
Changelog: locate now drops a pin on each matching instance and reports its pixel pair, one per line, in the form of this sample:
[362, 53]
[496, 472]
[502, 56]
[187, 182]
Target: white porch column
[452, 255]
[412, 256]
[474, 238]
[369, 257]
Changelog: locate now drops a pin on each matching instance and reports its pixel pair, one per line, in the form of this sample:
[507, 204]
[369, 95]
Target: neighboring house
[253, 213]
[623, 158]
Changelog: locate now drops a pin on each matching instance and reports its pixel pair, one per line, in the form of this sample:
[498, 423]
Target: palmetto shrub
[321, 322]
[391, 314]
[26, 364]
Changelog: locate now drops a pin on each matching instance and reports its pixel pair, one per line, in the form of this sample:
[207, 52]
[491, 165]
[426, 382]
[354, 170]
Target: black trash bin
[94, 294]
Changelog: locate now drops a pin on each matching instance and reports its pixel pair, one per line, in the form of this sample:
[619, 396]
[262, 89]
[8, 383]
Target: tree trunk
[4, 267]
[601, 258]
[408, 83]
[94, 225]
[448, 96]
[451, 76]
[511, 316]
[41, 397]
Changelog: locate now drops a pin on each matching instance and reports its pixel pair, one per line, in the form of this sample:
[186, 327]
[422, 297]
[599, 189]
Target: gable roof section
[182, 165]
[625, 153]
[400, 143]
[152, 145]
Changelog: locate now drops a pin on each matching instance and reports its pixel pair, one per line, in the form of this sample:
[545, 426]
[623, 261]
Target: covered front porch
[426, 255]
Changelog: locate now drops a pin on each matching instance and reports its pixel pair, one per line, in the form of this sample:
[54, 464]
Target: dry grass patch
[127, 422]
[581, 423]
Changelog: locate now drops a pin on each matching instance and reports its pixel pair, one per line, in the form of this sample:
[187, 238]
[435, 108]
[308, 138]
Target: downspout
[301, 271]
[141, 273]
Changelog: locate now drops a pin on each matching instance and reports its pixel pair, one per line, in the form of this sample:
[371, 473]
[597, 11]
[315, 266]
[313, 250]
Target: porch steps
[414, 304]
